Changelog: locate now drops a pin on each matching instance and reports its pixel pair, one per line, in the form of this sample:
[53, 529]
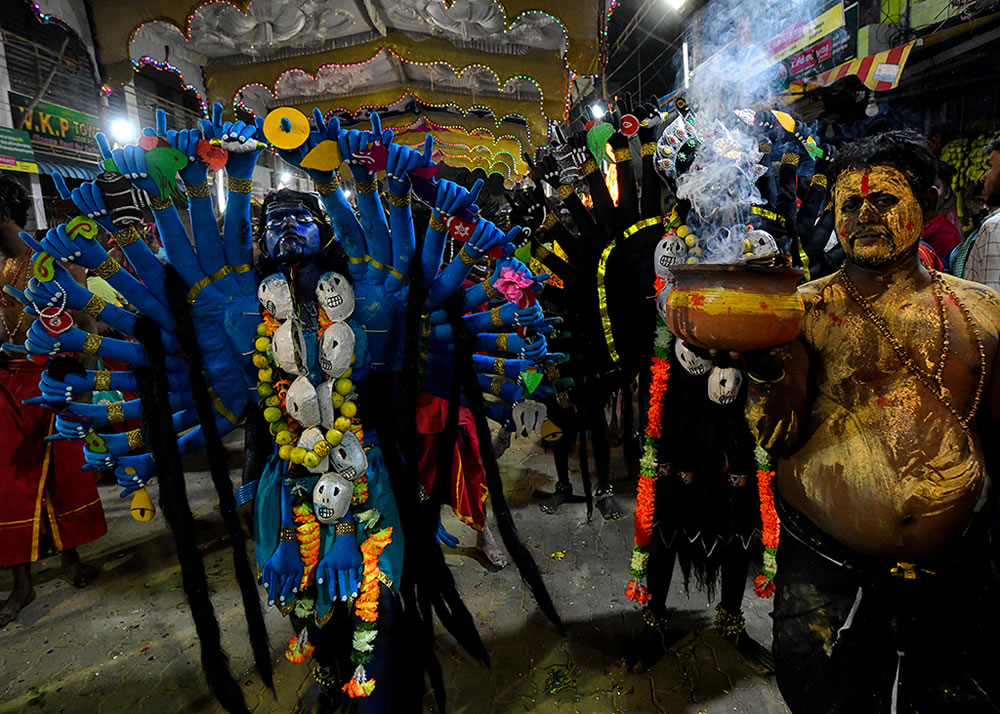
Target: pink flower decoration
[512, 284]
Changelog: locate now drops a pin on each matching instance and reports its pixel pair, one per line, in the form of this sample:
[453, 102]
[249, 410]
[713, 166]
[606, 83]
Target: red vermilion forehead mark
[909, 225]
[864, 183]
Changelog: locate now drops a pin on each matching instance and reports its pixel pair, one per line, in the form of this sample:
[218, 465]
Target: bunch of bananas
[966, 156]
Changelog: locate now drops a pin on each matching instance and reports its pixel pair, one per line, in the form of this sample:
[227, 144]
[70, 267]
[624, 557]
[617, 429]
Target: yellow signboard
[797, 37]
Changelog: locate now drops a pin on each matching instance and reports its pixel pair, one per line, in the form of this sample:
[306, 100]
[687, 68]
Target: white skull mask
[759, 243]
[332, 498]
[528, 417]
[335, 296]
[348, 458]
[691, 362]
[289, 347]
[670, 251]
[336, 349]
[301, 402]
[310, 437]
[724, 384]
[275, 296]
[327, 412]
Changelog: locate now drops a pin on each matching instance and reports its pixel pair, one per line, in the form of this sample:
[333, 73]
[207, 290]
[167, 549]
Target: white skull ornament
[289, 347]
[302, 404]
[335, 296]
[691, 362]
[275, 296]
[670, 251]
[310, 437]
[348, 458]
[336, 349]
[332, 498]
[724, 384]
[759, 243]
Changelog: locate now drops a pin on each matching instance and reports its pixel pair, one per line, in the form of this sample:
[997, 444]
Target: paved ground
[126, 644]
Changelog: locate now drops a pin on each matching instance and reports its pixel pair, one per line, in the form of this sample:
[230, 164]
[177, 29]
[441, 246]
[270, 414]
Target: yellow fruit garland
[283, 427]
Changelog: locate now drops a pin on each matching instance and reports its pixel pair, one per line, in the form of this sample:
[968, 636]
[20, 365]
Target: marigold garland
[646, 496]
[299, 648]
[763, 584]
[366, 608]
[308, 534]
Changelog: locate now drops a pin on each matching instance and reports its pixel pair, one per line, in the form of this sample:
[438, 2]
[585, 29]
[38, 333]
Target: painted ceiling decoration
[503, 66]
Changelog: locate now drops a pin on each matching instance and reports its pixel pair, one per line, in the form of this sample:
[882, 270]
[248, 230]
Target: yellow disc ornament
[286, 128]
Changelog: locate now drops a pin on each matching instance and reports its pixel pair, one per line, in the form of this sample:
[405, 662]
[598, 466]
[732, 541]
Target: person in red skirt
[49, 504]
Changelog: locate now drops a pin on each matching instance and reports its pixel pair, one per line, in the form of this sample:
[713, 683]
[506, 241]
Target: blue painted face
[291, 234]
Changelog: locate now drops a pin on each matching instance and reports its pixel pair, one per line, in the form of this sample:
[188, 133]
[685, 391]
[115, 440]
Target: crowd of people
[845, 472]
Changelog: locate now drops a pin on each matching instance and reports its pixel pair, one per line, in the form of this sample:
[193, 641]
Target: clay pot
[735, 307]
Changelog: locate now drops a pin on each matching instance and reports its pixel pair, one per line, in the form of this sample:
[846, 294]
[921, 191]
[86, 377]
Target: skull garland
[661, 297]
[335, 296]
[724, 384]
[276, 297]
[332, 498]
[692, 363]
[670, 251]
[348, 458]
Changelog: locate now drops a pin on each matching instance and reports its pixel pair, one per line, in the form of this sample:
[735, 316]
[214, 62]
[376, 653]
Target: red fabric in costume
[467, 491]
[44, 489]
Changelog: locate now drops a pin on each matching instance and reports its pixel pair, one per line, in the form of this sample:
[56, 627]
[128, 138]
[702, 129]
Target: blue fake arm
[101, 414]
[177, 244]
[348, 230]
[510, 392]
[282, 572]
[511, 368]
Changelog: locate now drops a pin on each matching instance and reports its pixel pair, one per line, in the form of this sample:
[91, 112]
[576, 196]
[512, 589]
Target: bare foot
[554, 500]
[13, 605]
[653, 642]
[607, 504]
[488, 545]
[76, 571]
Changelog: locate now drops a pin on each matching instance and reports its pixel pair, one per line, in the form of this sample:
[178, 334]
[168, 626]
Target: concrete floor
[126, 644]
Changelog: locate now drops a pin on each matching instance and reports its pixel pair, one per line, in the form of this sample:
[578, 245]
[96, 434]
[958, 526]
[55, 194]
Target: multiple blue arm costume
[278, 346]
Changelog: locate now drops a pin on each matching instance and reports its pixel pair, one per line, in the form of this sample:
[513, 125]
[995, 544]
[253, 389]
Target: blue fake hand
[282, 573]
[340, 569]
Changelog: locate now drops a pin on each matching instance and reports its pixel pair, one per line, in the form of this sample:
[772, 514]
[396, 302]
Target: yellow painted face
[878, 217]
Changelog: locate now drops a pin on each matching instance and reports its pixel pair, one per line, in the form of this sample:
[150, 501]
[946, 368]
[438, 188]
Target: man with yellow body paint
[877, 415]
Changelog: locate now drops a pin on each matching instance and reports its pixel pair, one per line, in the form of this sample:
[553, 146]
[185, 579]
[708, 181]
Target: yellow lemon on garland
[262, 343]
[682, 231]
[342, 423]
[272, 414]
[273, 401]
[276, 427]
[349, 409]
[259, 361]
[283, 437]
[348, 373]
[285, 452]
[311, 460]
[265, 375]
[335, 436]
[264, 389]
[262, 329]
[337, 399]
[298, 455]
[322, 448]
[343, 386]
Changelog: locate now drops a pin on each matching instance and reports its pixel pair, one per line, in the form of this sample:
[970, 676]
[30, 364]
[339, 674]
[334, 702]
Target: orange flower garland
[308, 535]
[763, 584]
[646, 496]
